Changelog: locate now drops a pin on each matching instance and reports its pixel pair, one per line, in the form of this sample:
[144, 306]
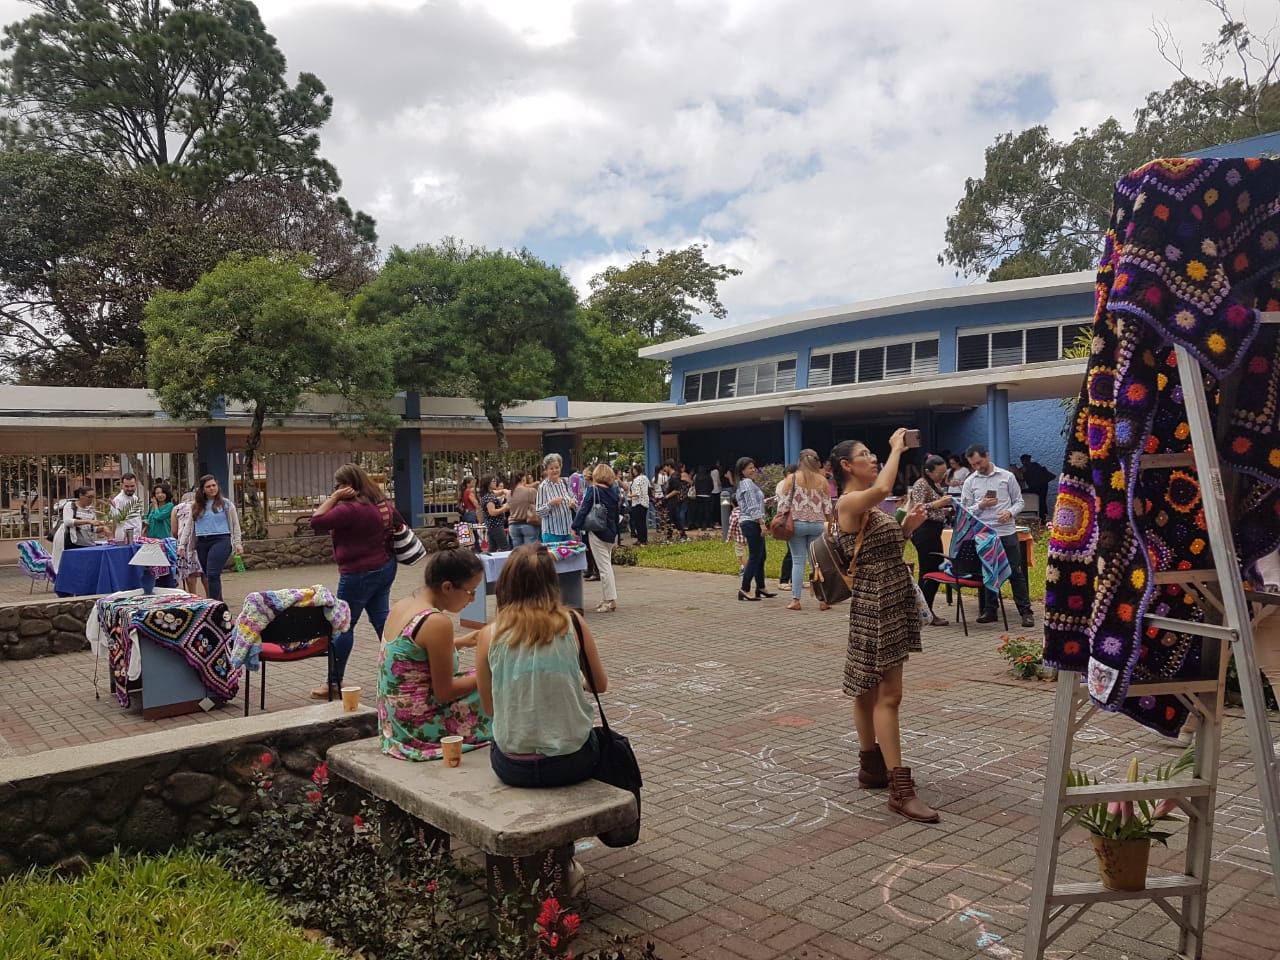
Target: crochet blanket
[195, 627]
[991, 553]
[261, 608]
[1192, 255]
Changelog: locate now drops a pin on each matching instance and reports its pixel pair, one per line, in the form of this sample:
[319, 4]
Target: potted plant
[1023, 655]
[1122, 830]
[111, 516]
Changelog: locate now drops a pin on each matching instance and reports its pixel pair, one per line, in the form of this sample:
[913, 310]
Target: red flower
[315, 796]
[554, 940]
[550, 912]
[570, 924]
[357, 822]
[320, 774]
[431, 887]
[264, 760]
[266, 784]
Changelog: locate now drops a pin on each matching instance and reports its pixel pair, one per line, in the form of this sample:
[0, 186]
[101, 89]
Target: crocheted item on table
[261, 608]
[566, 548]
[1189, 259]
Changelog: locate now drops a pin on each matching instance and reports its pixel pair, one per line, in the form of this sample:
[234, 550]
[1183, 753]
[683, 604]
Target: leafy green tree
[494, 326]
[660, 298]
[259, 331]
[606, 365]
[1042, 205]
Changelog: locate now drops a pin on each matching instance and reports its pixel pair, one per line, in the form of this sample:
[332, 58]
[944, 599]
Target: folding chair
[967, 573]
[36, 563]
[298, 633]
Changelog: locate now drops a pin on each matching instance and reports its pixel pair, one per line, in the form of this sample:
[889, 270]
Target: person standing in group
[703, 511]
[214, 534]
[1036, 478]
[159, 519]
[806, 497]
[734, 535]
[190, 573]
[927, 538]
[603, 490]
[78, 524]
[555, 503]
[468, 505]
[884, 627]
[994, 496]
[360, 521]
[956, 474]
[127, 500]
[639, 505]
[727, 505]
[522, 515]
[784, 571]
[495, 508]
[751, 520]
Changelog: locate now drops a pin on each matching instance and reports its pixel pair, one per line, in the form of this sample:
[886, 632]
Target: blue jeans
[549, 771]
[467, 516]
[214, 552]
[522, 533]
[804, 532]
[368, 590]
[755, 556]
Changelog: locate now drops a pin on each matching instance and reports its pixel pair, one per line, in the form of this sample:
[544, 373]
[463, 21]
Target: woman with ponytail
[422, 694]
[884, 627]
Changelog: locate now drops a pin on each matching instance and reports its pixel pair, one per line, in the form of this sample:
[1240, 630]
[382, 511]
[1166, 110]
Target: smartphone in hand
[911, 438]
[990, 494]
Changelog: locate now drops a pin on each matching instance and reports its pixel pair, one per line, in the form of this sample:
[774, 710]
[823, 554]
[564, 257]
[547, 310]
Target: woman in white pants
[601, 527]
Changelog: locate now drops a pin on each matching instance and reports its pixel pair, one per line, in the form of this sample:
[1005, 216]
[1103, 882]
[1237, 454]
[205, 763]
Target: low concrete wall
[152, 792]
[29, 630]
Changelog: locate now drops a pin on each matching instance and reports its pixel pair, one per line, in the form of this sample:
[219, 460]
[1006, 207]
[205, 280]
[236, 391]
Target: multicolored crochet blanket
[195, 627]
[1192, 255]
[261, 608]
[991, 552]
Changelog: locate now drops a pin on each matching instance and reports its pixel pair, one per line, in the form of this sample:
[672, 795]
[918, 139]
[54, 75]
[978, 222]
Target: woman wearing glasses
[422, 695]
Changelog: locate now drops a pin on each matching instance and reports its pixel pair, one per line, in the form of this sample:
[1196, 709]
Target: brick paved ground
[757, 841]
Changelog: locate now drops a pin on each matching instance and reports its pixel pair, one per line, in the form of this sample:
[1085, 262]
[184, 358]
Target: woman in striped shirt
[751, 520]
[555, 503]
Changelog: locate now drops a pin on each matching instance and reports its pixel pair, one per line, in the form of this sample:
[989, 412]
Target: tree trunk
[495, 420]
[255, 521]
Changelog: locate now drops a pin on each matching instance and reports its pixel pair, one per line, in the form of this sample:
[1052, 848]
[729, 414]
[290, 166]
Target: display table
[569, 568]
[85, 571]
[184, 640]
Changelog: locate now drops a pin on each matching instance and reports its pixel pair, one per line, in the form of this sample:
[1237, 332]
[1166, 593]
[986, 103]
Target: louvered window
[873, 363]
[972, 352]
[820, 370]
[692, 384]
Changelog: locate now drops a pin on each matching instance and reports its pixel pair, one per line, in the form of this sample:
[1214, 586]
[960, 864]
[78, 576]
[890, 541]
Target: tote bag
[597, 518]
[405, 545]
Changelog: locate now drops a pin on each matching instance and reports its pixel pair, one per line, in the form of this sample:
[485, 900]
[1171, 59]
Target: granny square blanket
[1191, 257]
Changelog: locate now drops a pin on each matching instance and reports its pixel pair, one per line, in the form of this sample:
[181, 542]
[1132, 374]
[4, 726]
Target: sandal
[793, 605]
[607, 606]
[331, 692]
[824, 606]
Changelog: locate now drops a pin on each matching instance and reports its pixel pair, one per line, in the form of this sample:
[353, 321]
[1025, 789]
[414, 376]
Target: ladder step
[1175, 885]
[1193, 628]
[1107, 792]
[1157, 461]
[1173, 687]
[1197, 575]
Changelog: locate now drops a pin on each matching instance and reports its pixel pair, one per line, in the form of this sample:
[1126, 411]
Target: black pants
[755, 556]
[1017, 579]
[640, 524]
[785, 576]
[928, 544]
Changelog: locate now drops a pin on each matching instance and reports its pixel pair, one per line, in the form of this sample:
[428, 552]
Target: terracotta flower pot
[1122, 864]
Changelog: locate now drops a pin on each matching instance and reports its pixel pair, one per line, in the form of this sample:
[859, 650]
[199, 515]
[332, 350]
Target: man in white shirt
[128, 499]
[995, 497]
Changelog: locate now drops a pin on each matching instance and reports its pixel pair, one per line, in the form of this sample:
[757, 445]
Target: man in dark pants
[1037, 478]
[995, 498]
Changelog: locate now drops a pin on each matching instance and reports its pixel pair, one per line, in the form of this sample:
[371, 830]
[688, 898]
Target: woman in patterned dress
[884, 627]
[190, 573]
[422, 695]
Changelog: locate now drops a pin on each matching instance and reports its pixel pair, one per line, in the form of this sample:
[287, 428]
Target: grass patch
[715, 556]
[179, 906]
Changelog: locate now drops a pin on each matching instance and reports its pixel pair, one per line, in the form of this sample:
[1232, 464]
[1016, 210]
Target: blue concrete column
[211, 455]
[791, 442]
[652, 446]
[998, 425]
[561, 443]
[406, 472]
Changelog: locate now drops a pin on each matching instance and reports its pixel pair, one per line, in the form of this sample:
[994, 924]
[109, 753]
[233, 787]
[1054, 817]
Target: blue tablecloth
[89, 570]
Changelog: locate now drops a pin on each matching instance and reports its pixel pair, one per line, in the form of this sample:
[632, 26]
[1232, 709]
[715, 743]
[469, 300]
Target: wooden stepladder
[1183, 897]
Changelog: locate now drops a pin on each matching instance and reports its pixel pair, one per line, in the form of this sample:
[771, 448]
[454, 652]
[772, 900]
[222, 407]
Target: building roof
[968, 295]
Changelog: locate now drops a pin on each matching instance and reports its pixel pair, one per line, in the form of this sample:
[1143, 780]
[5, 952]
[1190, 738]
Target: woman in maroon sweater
[360, 521]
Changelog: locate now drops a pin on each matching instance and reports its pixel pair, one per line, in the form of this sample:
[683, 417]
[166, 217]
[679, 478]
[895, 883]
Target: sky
[817, 147]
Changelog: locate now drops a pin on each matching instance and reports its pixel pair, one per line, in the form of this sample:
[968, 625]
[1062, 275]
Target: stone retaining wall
[29, 630]
[152, 792]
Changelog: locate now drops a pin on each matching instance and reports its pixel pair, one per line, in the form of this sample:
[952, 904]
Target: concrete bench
[525, 835]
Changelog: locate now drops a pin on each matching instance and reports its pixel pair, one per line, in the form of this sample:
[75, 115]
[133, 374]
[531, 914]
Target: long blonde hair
[528, 592]
[809, 472]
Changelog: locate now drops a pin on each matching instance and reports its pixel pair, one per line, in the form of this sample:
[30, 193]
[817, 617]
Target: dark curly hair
[448, 561]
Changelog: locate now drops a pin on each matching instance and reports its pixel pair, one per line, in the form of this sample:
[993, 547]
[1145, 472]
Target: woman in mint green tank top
[422, 694]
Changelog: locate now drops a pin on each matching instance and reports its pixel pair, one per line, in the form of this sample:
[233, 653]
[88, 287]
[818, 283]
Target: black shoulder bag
[618, 766]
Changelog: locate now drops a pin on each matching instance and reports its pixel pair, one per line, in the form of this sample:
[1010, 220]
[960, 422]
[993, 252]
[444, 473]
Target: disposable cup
[451, 747]
[350, 698]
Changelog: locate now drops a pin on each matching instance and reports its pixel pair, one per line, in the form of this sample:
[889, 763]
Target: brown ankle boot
[872, 773]
[903, 799]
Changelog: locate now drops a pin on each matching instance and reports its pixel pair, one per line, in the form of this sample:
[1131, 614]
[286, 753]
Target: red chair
[966, 560]
[298, 633]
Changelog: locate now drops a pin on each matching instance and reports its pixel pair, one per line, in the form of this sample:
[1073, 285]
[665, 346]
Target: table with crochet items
[571, 562]
[184, 641]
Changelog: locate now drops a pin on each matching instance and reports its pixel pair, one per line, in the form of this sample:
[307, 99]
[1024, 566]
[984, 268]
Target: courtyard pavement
[757, 842]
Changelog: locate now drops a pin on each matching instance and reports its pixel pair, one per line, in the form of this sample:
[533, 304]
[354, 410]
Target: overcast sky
[818, 147]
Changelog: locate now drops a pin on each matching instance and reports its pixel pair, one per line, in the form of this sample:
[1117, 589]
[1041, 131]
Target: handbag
[405, 545]
[832, 579]
[783, 527]
[597, 518]
[617, 765]
[922, 605]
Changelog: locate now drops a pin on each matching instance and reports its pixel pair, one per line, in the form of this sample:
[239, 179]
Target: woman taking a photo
[555, 503]
[422, 696]
[751, 520]
[939, 511]
[214, 533]
[523, 520]
[359, 519]
[604, 491]
[806, 497]
[884, 628]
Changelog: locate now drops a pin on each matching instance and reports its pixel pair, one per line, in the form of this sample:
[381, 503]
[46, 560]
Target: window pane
[926, 361]
[897, 360]
[971, 352]
[820, 370]
[1006, 348]
[709, 385]
[870, 364]
[1042, 344]
[786, 376]
[692, 382]
[727, 380]
[844, 367]
[1073, 331]
[747, 381]
[764, 377]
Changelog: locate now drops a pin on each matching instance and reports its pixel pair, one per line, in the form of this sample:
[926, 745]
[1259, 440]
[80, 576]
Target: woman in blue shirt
[751, 522]
[213, 534]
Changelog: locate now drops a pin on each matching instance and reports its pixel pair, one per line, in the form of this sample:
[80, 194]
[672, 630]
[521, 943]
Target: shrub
[1024, 656]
